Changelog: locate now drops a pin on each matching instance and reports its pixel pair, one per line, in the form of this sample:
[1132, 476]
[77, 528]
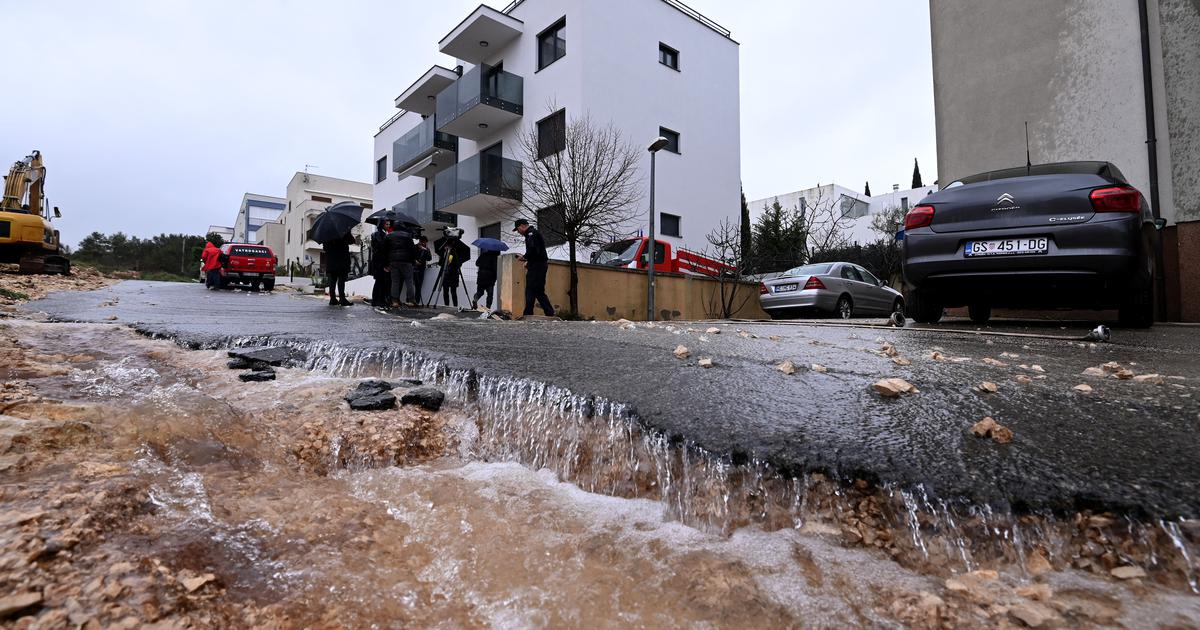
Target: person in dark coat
[381, 290]
[537, 263]
[486, 279]
[337, 268]
[401, 254]
[452, 253]
[423, 258]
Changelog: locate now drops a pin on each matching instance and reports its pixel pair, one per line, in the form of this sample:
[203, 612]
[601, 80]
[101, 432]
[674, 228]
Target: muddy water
[502, 511]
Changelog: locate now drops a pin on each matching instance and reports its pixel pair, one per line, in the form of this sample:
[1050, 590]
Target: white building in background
[451, 156]
[224, 232]
[307, 196]
[857, 209]
[256, 211]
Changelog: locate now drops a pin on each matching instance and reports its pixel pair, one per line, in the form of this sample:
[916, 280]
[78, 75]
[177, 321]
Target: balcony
[484, 32]
[424, 151]
[420, 207]
[481, 102]
[480, 185]
[421, 96]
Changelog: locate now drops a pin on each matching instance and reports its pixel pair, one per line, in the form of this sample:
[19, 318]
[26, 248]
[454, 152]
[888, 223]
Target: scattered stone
[373, 402]
[1032, 614]
[19, 604]
[706, 363]
[1094, 371]
[257, 376]
[817, 367]
[1123, 375]
[1002, 434]
[1009, 355]
[681, 352]
[1024, 380]
[901, 361]
[889, 350]
[1111, 366]
[1128, 572]
[787, 367]
[1083, 388]
[1037, 368]
[1153, 379]
[270, 355]
[424, 397]
[244, 364]
[441, 317]
[988, 387]
[774, 337]
[192, 584]
[20, 518]
[743, 334]
[893, 387]
[713, 331]
[993, 362]
[988, 427]
[936, 356]
[1037, 564]
[111, 318]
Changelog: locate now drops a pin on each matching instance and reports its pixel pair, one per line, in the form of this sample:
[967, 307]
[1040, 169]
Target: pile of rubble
[16, 288]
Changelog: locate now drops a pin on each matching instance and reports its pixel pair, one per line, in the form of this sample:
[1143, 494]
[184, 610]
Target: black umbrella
[336, 222]
[395, 216]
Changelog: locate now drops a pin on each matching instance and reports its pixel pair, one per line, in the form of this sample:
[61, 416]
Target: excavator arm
[24, 186]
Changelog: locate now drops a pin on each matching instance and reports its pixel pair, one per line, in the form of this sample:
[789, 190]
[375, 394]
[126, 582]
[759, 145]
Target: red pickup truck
[631, 254]
[248, 265]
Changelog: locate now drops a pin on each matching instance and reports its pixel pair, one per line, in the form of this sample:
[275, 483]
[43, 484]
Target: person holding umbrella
[337, 268]
[489, 257]
[401, 253]
[423, 258]
[537, 264]
[452, 253]
[381, 291]
[332, 229]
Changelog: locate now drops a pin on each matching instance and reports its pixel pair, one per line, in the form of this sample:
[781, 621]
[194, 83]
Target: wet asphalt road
[1127, 446]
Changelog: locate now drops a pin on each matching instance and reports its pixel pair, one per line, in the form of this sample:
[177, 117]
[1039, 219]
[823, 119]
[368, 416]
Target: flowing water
[525, 505]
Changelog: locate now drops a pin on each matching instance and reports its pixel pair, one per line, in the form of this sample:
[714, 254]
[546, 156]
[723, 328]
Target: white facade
[256, 211]
[307, 196]
[611, 72]
[225, 232]
[858, 208]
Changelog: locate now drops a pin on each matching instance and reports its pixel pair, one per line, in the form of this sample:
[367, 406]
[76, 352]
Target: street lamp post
[652, 247]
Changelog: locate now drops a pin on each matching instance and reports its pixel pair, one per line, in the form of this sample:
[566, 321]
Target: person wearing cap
[537, 263]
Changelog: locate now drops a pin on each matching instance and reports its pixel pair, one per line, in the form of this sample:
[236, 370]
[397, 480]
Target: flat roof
[679, 6]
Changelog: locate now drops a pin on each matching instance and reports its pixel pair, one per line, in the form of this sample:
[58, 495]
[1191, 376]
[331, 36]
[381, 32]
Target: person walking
[337, 268]
[422, 262]
[537, 263]
[381, 291]
[486, 280]
[452, 253]
[401, 254]
[212, 266]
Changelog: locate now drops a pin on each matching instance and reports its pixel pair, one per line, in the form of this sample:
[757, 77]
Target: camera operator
[452, 253]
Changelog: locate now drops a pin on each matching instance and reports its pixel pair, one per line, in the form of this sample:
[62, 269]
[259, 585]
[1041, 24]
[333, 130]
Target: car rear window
[810, 270]
[254, 252]
[1104, 169]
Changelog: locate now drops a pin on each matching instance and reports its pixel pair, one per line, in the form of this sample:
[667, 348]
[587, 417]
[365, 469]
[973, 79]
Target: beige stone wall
[606, 293]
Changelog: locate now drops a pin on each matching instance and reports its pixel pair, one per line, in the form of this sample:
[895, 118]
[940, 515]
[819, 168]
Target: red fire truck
[631, 254]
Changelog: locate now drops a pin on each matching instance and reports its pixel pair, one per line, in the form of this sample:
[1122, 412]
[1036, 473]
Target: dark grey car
[1072, 235]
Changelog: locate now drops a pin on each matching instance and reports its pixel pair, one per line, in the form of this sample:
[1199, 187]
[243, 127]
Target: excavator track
[50, 264]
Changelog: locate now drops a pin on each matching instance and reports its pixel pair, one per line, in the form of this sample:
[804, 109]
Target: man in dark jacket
[537, 263]
[401, 254]
[381, 290]
[423, 258]
[486, 279]
[337, 268]
[452, 253]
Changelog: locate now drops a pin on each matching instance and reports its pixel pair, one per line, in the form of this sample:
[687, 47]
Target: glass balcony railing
[419, 143]
[482, 85]
[481, 174]
[420, 207]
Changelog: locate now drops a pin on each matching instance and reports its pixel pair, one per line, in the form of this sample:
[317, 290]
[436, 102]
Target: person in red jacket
[212, 266]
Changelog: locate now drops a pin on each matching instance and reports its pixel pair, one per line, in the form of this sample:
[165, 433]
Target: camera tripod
[437, 283]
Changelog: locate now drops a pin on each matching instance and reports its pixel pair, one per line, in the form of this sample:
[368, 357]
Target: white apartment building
[451, 156]
[856, 208]
[256, 211]
[225, 232]
[308, 195]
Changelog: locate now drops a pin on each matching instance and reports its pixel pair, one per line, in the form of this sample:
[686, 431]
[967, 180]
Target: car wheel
[844, 308]
[922, 309]
[979, 313]
[1137, 309]
[269, 285]
[254, 286]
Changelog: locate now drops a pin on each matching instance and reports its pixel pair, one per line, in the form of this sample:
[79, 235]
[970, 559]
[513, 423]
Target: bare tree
[725, 246]
[827, 225]
[582, 185]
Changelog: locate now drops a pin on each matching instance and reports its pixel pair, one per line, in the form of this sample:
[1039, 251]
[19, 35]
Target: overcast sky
[156, 115]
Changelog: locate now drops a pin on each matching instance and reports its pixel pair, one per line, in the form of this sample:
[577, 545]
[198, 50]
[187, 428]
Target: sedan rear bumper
[811, 299]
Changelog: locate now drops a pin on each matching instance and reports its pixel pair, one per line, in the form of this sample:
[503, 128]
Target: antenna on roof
[1028, 161]
[306, 167]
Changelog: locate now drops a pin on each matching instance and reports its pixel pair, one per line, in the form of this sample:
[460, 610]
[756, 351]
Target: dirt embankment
[16, 288]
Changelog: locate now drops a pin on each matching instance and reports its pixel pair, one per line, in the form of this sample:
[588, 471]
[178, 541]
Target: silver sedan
[841, 289]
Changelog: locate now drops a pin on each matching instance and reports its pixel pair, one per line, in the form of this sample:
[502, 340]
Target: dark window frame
[551, 233]
[320, 199]
[556, 144]
[673, 138]
[670, 54]
[678, 224]
[559, 52]
[380, 169]
[484, 230]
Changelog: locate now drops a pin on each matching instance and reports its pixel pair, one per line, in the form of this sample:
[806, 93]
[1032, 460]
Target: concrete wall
[606, 293]
[1179, 25]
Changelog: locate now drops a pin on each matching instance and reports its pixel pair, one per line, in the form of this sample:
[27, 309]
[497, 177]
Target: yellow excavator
[26, 235]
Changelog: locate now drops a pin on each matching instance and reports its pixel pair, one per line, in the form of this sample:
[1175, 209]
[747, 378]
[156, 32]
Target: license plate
[785, 288]
[1007, 247]
[250, 274]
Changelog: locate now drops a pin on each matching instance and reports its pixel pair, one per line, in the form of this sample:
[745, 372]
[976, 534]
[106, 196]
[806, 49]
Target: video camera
[452, 232]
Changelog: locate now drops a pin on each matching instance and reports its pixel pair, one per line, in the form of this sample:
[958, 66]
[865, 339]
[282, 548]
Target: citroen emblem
[1005, 198]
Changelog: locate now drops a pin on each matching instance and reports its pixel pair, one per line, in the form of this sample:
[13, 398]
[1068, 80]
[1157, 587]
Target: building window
[367, 206]
[550, 222]
[552, 134]
[490, 231]
[672, 139]
[552, 44]
[289, 236]
[904, 204]
[380, 169]
[668, 56]
[322, 199]
[670, 224]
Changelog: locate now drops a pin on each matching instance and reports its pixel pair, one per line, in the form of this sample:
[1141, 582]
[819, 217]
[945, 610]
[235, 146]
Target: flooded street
[143, 483]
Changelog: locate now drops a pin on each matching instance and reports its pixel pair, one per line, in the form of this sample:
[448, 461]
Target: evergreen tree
[747, 240]
[780, 239]
[916, 182]
[867, 189]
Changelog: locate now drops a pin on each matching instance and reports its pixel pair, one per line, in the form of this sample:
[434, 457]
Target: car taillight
[762, 289]
[1117, 199]
[918, 217]
[814, 283]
